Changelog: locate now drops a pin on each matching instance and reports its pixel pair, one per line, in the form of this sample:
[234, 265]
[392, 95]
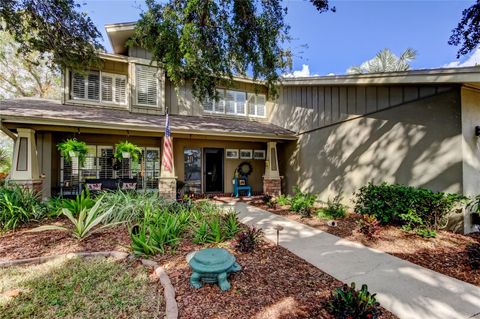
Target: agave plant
[86, 224]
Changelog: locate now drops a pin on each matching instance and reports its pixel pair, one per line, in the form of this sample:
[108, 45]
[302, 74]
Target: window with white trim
[99, 86]
[236, 103]
[256, 104]
[146, 85]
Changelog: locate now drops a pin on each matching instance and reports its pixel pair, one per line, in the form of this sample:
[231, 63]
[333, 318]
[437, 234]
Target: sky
[330, 43]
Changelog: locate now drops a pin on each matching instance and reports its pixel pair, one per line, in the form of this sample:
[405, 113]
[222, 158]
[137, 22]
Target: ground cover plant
[247, 240]
[89, 288]
[19, 205]
[302, 202]
[334, 209]
[347, 302]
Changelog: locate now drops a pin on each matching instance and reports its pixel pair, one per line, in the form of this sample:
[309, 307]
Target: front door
[213, 170]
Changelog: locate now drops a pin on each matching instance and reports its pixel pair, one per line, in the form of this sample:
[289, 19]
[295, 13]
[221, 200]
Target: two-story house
[329, 135]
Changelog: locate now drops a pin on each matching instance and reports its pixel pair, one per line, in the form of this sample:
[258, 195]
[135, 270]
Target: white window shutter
[230, 102]
[120, 90]
[240, 102]
[146, 85]
[220, 104]
[107, 88]
[78, 86]
[93, 86]
[260, 105]
[251, 104]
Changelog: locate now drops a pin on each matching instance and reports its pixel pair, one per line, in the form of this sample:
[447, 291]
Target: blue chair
[237, 188]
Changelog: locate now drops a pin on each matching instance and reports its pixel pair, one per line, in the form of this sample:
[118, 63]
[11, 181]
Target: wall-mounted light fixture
[477, 131]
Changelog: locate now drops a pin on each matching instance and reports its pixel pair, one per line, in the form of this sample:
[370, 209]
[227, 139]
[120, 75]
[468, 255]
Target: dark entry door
[213, 170]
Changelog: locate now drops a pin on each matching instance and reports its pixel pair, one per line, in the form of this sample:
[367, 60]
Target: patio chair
[241, 184]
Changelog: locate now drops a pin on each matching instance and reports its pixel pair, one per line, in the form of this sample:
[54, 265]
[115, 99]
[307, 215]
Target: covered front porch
[209, 153]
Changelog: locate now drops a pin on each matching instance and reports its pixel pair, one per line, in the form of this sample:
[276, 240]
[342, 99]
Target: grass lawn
[80, 288]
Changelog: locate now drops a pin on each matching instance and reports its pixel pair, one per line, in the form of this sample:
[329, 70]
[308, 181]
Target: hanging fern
[73, 145]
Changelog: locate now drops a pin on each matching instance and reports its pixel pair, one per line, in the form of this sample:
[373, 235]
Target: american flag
[167, 158]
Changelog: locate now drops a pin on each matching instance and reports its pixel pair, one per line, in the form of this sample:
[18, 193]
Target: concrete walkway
[407, 290]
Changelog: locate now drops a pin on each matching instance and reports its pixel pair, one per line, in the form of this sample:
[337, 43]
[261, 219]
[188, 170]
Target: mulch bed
[273, 283]
[444, 254]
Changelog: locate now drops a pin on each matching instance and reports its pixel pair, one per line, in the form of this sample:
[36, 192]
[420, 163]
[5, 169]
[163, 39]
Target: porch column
[168, 181]
[25, 163]
[271, 179]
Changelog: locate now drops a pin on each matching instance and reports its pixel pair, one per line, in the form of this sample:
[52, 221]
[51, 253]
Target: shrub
[473, 253]
[248, 240]
[369, 225]
[388, 202]
[302, 203]
[19, 205]
[347, 302]
[283, 200]
[335, 209]
[85, 224]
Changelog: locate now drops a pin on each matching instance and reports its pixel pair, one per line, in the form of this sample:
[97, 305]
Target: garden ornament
[212, 265]
[278, 228]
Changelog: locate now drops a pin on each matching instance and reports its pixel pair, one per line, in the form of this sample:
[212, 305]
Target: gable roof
[49, 112]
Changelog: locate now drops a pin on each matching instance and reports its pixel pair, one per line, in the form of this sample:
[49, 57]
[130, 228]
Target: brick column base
[272, 186]
[33, 185]
[167, 187]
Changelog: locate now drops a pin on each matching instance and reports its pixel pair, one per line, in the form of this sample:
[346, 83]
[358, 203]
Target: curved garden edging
[171, 307]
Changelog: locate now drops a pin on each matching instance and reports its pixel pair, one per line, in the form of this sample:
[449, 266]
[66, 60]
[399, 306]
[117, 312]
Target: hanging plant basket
[127, 150]
[73, 148]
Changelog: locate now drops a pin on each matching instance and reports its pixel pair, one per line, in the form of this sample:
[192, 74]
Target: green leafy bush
[473, 253]
[19, 205]
[283, 200]
[347, 303]
[81, 202]
[302, 203]
[247, 240]
[389, 202]
[87, 223]
[215, 228]
[334, 209]
[426, 232]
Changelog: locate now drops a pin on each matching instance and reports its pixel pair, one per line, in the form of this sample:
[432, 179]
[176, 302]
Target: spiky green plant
[87, 223]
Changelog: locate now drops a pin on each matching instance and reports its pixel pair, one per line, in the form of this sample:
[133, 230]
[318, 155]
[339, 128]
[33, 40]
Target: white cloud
[304, 72]
[472, 60]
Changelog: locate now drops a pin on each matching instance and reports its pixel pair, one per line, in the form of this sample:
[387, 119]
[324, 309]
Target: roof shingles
[32, 111]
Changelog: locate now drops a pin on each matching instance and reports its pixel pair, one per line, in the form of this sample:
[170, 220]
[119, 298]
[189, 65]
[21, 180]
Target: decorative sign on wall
[259, 154]
[231, 153]
[246, 154]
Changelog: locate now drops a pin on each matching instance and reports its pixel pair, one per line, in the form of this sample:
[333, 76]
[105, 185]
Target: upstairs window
[236, 103]
[99, 86]
[146, 85]
[256, 104]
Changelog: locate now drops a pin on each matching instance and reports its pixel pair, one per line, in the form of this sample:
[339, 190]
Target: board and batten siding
[350, 136]
[305, 108]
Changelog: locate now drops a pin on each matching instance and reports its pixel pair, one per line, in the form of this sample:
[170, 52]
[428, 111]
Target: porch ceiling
[48, 112]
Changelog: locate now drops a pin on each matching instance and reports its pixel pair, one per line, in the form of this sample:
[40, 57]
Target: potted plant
[73, 148]
[127, 150]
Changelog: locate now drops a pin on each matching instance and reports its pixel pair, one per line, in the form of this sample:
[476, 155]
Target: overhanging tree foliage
[467, 32]
[211, 41]
[55, 27]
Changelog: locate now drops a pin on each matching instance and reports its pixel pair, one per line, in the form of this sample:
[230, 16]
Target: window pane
[193, 170]
[78, 86]
[120, 90]
[240, 101]
[107, 90]
[230, 102]
[261, 105]
[220, 104]
[251, 104]
[208, 104]
[93, 85]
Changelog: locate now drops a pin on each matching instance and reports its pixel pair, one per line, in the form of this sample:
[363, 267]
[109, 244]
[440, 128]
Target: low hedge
[401, 204]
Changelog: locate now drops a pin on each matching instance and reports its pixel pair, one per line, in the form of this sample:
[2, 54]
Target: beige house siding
[417, 143]
[304, 108]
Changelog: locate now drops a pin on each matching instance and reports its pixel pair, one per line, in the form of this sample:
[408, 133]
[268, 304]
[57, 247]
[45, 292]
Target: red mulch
[273, 283]
[22, 244]
[444, 254]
